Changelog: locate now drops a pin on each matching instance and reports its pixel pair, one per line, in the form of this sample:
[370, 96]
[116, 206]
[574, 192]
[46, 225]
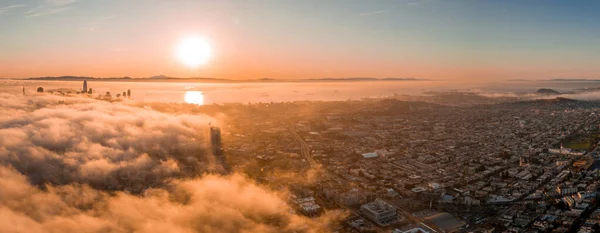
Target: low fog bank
[587, 95]
[108, 146]
[584, 95]
[93, 166]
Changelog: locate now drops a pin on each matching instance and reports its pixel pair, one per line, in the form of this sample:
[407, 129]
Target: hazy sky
[433, 39]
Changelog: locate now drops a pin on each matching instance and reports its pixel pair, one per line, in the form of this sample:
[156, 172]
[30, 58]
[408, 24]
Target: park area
[581, 141]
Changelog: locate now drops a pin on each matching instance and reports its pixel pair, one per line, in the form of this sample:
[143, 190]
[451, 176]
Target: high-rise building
[215, 140]
[84, 86]
[217, 147]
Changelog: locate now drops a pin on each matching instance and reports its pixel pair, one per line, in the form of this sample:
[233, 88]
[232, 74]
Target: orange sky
[296, 40]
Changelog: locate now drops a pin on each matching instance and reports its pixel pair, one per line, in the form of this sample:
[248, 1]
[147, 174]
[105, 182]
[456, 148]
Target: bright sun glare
[194, 51]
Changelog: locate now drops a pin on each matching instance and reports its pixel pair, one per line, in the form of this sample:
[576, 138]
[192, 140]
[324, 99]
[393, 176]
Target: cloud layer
[92, 166]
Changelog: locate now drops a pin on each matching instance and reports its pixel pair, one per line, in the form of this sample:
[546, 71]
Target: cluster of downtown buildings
[85, 91]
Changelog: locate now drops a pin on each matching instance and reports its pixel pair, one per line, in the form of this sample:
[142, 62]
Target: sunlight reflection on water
[194, 97]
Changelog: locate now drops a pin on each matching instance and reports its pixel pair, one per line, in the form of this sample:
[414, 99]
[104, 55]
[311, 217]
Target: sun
[194, 51]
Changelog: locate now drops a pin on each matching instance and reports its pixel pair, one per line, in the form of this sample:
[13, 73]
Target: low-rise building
[380, 212]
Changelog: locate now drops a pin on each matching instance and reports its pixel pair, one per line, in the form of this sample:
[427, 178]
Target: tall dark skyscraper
[217, 147]
[215, 140]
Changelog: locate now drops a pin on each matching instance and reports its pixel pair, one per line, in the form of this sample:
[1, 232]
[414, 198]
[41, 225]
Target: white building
[414, 230]
[380, 212]
[370, 155]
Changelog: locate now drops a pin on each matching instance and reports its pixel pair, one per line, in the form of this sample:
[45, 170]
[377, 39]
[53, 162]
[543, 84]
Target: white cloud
[60, 2]
[372, 13]
[46, 11]
[51, 7]
[417, 2]
[7, 8]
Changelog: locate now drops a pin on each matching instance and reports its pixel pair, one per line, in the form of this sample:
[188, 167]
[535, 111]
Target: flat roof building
[413, 230]
[370, 155]
[380, 212]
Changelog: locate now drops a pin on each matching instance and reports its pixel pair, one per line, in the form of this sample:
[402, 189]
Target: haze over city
[390, 116]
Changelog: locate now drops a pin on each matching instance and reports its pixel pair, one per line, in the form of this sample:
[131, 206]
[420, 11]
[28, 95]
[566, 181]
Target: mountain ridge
[164, 78]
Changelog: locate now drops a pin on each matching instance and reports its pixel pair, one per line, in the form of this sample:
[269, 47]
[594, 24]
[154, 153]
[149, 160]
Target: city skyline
[423, 39]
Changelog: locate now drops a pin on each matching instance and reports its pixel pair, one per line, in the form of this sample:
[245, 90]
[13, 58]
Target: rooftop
[378, 206]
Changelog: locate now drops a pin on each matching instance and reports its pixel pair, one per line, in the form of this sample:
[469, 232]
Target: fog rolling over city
[299, 116]
[84, 165]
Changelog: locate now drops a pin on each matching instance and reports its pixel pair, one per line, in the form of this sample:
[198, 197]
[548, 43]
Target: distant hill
[546, 91]
[365, 79]
[573, 80]
[163, 78]
[73, 78]
[128, 79]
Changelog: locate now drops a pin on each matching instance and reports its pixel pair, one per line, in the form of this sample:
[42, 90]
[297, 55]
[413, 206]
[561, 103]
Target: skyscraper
[84, 86]
[217, 148]
[215, 140]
